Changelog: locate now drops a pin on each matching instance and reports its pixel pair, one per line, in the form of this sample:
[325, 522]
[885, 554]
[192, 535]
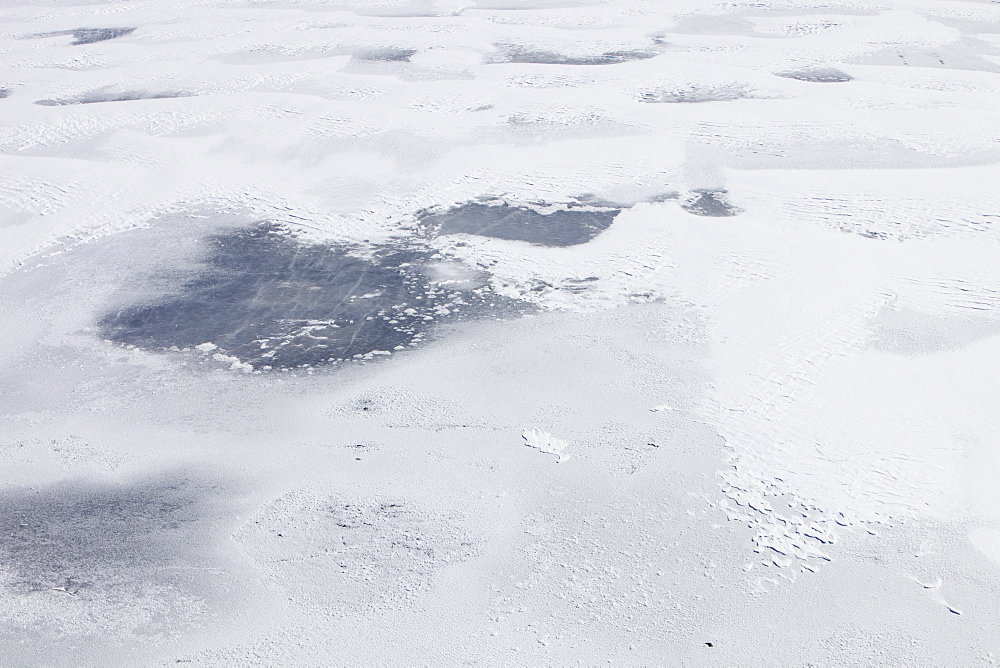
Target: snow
[737, 259]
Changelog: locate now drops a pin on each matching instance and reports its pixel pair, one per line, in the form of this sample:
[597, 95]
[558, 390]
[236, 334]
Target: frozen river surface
[406, 332]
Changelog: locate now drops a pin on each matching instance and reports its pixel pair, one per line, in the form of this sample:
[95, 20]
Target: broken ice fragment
[544, 442]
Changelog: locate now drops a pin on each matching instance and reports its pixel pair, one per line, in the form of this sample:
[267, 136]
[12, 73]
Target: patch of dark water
[270, 301]
[566, 227]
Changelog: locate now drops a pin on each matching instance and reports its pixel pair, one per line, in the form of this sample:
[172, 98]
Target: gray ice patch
[266, 300]
[390, 54]
[109, 561]
[516, 54]
[710, 203]
[697, 94]
[369, 553]
[567, 227]
[5, 92]
[664, 197]
[78, 536]
[103, 96]
[90, 35]
[817, 75]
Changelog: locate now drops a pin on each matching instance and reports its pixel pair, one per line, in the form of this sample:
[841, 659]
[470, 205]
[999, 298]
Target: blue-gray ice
[274, 302]
[567, 227]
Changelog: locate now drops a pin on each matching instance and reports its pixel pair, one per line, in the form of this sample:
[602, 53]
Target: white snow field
[512, 332]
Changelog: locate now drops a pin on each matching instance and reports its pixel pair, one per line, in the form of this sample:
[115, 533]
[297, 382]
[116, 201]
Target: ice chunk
[545, 442]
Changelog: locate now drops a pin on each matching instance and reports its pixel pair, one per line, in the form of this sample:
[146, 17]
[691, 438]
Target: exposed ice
[266, 300]
[83, 558]
[90, 35]
[388, 54]
[519, 54]
[107, 96]
[710, 203]
[500, 220]
[91, 536]
[817, 75]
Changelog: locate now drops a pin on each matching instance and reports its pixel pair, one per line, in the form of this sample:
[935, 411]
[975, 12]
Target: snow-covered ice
[287, 286]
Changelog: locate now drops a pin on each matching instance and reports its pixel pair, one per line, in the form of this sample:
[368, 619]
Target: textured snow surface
[287, 286]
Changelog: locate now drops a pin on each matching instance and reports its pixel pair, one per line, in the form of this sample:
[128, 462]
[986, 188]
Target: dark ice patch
[90, 35]
[102, 96]
[817, 75]
[75, 537]
[392, 55]
[710, 203]
[113, 562]
[514, 54]
[5, 92]
[517, 223]
[270, 301]
[577, 284]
